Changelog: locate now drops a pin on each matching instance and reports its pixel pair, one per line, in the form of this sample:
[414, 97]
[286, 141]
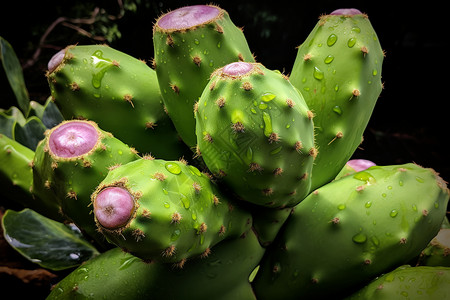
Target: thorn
[197, 60]
[238, 127]
[202, 229]
[273, 138]
[208, 138]
[159, 176]
[74, 86]
[247, 86]
[169, 251]
[307, 57]
[176, 218]
[290, 103]
[220, 102]
[175, 88]
[128, 97]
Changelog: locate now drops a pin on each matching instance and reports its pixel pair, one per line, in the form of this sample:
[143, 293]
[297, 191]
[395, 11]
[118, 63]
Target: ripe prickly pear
[361, 226]
[164, 211]
[118, 92]
[338, 71]
[70, 162]
[189, 44]
[406, 282]
[115, 274]
[255, 132]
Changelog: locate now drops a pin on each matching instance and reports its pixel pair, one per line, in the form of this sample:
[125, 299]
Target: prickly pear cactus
[189, 44]
[255, 132]
[114, 274]
[406, 282]
[352, 230]
[70, 162]
[165, 211]
[117, 91]
[338, 71]
[437, 253]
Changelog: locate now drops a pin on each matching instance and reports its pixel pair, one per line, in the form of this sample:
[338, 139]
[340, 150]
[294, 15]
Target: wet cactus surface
[203, 173]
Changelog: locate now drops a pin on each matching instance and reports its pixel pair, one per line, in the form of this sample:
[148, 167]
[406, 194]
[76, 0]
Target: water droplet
[276, 150]
[375, 241]
[356, 29]
[359, 238]
[175, 235]
[420, 179]
[101, 65]
[351, 42]
[374, 72]
[249, 154]
[218, 45]
[195, 171]
[368, 204]
[173, 168]
[262, 106]
[267, 97]
[393, 213]
[196, 41]
[253, 110]
[318, 74]
[328, 59]
[267, 124]
[336, 88]
[400, 183]
[120, 152]
[166, 204]
[365, 176]
[384, 195]
[194, 216]
[414, 207]
[337, 109]
[341, 206]
[436, 205]
[331, 40]
[185, 201]
[211, 63]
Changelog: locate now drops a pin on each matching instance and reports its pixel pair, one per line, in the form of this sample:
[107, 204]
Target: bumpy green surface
[405, 282]
[338, 71]
[437, 253]
[184, 60]
[223, 275]
[255, 132]
[16, 178]
[178, 214]
[120, 93]
[70, 181]
[352, 230]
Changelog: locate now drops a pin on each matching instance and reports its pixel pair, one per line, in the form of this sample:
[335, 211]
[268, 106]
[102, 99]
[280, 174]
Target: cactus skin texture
[115, 275]
[338, 71]
[189, 44]
[408, 282]
[361, 226]
[165, 211]
[16, 178]
[437, 253]
[255, 132]
[70, 162]
[118, 92]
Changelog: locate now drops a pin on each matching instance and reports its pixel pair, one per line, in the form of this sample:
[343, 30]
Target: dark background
[409, 123]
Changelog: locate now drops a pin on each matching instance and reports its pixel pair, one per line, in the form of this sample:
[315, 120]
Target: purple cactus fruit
[360, 164]
[56, 60]
[73, 139]
[237, 68]
[188, 16]
[113, 207]
[346, 12]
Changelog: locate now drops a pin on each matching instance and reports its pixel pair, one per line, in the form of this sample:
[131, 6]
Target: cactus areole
[188, 16]
[73, 139]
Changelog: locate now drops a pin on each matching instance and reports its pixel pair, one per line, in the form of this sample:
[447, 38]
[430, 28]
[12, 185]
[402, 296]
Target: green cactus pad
[117, 275]
[437, 253]
[338, 71]
[352, 230]
[189, 44]
[70, 162]
[117, 91]
[255, 132]
[408, 282]
[165, 211]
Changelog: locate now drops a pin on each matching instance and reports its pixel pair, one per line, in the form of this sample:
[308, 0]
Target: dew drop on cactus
[113, 207]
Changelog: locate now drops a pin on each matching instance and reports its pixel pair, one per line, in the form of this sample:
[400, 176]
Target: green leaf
[13, 71]
[49, 243]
